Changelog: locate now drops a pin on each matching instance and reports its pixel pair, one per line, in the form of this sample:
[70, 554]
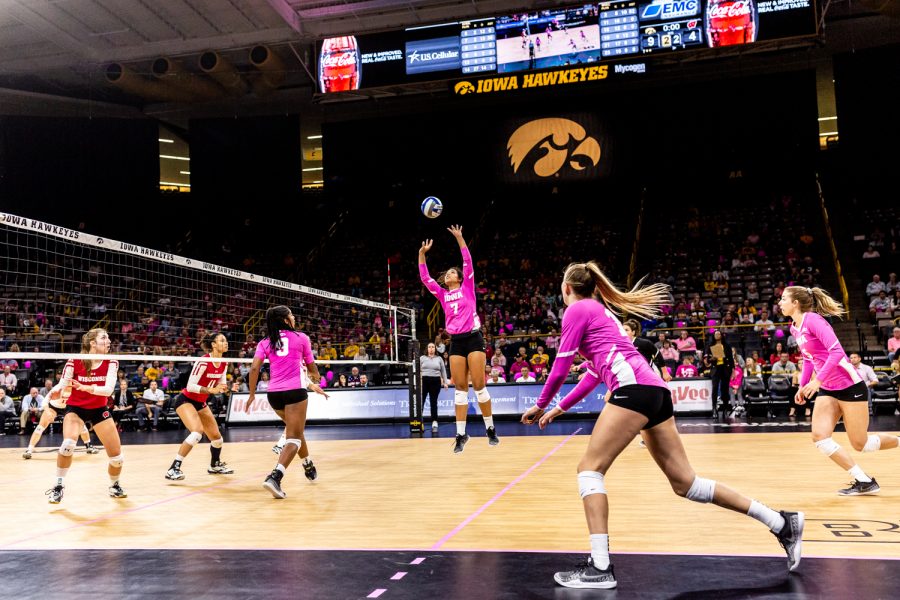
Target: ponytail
[815, 300]
[587, 280]
[276, 320]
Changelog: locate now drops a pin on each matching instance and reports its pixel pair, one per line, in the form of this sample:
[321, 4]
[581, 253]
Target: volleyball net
[57, 283]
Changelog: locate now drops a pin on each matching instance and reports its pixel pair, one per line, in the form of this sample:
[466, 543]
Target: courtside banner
[691, 395]
[393, 403]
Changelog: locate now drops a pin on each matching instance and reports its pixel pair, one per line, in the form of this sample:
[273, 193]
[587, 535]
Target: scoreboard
[577, 35]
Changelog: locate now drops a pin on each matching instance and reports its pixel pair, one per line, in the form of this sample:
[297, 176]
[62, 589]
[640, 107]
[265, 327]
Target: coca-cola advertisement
[340, 67]
[731, 22]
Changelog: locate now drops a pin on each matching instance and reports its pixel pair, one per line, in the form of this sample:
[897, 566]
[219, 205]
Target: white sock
[61, 475]
[307, 461]
[280, 467]
[765, 515]
[30, 449]
[434, 423]
[113, 479]
[460, 428]
[600, 550]
[489, 422]
[179, 458]
[858, 474]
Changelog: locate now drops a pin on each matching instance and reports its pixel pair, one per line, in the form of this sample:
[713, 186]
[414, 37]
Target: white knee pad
[294, 441]
[116, 461]
[482, 395]
[216, 443]
[873, 443]
[194, 438]
[461, 397]
[590, 482]
[39, 429]
[827, 446]
[702, 490]
[67, 448]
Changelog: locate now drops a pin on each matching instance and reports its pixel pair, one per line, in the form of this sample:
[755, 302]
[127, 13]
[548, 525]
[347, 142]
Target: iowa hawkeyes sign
[552, 147]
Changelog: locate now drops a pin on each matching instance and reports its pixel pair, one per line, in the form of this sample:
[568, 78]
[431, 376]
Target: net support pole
[416, 426]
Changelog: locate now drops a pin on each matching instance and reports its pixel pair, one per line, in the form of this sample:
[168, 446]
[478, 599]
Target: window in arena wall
[312, 165]
[174, 161]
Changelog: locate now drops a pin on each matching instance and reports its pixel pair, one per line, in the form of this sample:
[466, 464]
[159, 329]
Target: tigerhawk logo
[463, 87]
[555, 137]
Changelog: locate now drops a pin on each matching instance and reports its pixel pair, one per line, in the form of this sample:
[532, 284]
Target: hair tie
[809, 291]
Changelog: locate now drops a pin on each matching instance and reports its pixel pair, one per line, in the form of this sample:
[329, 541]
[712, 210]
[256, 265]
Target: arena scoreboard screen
[576, 35]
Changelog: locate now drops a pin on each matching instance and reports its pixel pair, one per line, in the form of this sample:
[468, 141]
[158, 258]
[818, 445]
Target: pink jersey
[822, 350]
[595, 332]
[288, 364]
[459, 305]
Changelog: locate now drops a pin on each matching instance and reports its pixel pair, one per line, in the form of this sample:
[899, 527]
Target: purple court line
[376, 593]
[509, 486]
[205, 490]
[398, 575]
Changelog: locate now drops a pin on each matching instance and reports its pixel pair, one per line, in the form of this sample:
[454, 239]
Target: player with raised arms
[467, 349]
[640, 402]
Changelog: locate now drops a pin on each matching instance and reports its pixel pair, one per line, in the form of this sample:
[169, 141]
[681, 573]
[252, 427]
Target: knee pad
[39, 429]
[482, 395]
[873, 443]
[827, 446]
[702, 490]
[461, 397]
[216, 443]
[294, 441]
[67, 448]
[194, 438]
[590, 482]
[116, 461]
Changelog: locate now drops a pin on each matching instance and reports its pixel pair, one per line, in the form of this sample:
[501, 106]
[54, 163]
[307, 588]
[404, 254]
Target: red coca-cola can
[731, 22]
[340, 66]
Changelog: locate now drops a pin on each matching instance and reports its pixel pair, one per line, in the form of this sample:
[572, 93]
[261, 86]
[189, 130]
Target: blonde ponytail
[816, 300]
[587, 279]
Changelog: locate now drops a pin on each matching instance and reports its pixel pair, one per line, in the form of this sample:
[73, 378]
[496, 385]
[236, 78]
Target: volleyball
[432, 207]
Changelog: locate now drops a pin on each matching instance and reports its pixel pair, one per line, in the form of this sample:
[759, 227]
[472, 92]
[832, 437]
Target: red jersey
[102, 376]
[205, 375]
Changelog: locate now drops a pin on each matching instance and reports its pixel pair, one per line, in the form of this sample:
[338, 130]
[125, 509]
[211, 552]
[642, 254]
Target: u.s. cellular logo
[670, 9]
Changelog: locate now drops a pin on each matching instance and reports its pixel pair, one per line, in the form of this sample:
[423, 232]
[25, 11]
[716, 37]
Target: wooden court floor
[415, 494]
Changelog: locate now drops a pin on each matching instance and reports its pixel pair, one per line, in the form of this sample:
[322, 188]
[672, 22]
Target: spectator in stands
[363, 354]
[893, 344]
[783, 366]
[880, 304]
[138, 376]
[32, 408]
[329, 353]
[525, 376]
[895, 303]
[734, 384]
[752, 369]
[153, 373]
[353, 378]
[152, 402]
[891, 285]
[7, 410]
[729, 325]
[686, 369]
[874, 287]
[341, 381]
[660, 340]
[45, 391]
[866, 373]
[776, 353]
[439, 346]
[363, 381]
[123, 402]
[496, 377]
[521, 361]
[871, 252]
[669, 354]
[541, 358]
[498, 361]
[263, 384]
[8, 381]
[239, 385]
[551, 342]
[12, 363]
[751, 293]
[351, 350]
[686, 343]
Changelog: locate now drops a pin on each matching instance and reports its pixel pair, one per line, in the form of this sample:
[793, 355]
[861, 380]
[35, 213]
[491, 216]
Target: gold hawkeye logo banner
[524, 81]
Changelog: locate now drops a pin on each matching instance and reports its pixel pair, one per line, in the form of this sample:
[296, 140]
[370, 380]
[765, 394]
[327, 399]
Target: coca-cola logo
[731, 9]
[345, 58]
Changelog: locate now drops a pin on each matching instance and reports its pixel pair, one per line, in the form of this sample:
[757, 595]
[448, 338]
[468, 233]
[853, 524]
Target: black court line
[276, 574]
